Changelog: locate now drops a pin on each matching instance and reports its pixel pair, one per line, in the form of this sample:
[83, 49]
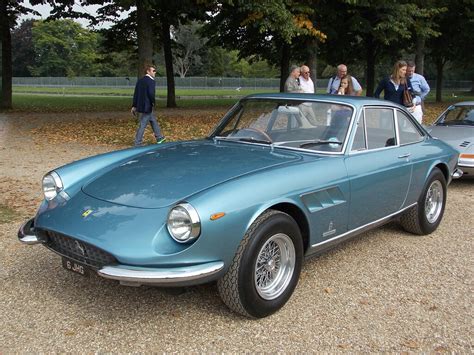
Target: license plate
[76, 267]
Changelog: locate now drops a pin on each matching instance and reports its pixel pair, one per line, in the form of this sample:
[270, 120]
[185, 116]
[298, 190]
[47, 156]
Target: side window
[380, 127]
[406, 129]
[359, 138]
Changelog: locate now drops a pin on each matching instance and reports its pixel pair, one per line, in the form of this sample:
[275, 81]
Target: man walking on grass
[144, 104]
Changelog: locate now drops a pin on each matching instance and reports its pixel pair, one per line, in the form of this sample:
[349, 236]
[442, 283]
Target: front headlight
[52, 185]
[183, 223]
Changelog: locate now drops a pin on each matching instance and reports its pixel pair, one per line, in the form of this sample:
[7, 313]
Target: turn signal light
[217, 215]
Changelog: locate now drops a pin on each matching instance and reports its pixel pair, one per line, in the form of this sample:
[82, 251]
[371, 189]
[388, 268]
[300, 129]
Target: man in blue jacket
[419, 88]
[144, 103]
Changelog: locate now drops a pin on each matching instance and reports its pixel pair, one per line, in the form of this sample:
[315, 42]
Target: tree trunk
[144, 36]
[370, 77]
[311, 62]
[6, 59]
[439, 79]
[284, 65]
[420, 54]
[166, 37]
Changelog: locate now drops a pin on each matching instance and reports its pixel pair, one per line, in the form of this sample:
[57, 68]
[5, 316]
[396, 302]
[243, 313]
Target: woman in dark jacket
[394, 85]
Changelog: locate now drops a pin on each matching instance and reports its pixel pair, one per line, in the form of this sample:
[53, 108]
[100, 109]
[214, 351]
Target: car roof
[344, 99]
[464, 103]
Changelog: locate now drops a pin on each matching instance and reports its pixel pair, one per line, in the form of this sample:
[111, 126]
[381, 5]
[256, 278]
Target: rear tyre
[425, 217]
[265, 268]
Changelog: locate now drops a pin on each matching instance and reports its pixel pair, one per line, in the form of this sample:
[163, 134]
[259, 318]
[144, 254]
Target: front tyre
[425, 217]
[265, 268]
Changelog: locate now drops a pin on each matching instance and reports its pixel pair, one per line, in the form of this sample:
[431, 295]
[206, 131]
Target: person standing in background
[335, 81]
[144, 105]
[292, 83]
[419, 88]
[306, 83]
[346, 88]
[394, 85]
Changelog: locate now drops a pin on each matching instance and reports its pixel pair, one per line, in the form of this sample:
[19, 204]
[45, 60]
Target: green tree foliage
[188, 47]
[22, 49]
[363, 31]
[425, 27]
[456, 42]
[376, 31]
[222, 62]
[267, 29]
[10, 10]
[152, 19]
[64, 48]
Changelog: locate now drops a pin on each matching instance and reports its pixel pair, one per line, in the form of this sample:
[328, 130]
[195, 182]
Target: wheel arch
[300, 218]
[444, 169]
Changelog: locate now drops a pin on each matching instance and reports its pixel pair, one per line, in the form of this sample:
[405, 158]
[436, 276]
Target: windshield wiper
[319, 142]
[253, 140]
[244, 139]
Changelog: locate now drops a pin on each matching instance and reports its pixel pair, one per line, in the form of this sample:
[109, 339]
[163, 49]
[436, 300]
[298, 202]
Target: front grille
[78, 250]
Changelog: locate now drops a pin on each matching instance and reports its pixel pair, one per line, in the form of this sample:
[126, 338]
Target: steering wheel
[254, 133]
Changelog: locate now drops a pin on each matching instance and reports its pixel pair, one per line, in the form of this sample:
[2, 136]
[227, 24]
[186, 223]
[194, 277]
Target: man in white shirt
[307, 85]
[335, 81]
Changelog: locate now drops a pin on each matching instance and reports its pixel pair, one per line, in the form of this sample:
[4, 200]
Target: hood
[171, 173]
[458, 137]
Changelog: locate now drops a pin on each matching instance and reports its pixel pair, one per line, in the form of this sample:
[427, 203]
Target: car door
[379, 169]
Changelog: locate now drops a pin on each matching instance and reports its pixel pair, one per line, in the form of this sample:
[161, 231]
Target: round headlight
[52, 185]
[184, 224]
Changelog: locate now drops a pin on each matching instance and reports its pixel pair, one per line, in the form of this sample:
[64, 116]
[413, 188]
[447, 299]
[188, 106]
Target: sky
[45, 10]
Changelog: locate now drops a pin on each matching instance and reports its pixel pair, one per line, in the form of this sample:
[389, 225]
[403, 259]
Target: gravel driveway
[385, 291]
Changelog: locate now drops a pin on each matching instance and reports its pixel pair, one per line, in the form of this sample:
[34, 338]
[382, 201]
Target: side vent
[319, 200]
[464, 144]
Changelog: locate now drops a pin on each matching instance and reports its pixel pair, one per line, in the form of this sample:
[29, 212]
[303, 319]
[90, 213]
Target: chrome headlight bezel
[52, 185]
[185, 217]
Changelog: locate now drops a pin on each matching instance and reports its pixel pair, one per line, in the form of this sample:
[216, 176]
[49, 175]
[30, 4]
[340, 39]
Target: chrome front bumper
[178, 276]
[136, 275]
[26, 233]
[457, 173]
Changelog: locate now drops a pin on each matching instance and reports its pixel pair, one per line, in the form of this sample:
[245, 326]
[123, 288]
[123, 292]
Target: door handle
[404, 156]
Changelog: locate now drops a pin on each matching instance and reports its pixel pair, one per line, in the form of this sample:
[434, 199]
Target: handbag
[407, 96]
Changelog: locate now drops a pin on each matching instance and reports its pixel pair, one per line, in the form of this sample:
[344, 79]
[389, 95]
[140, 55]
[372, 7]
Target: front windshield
[311, 125]
[459, 115]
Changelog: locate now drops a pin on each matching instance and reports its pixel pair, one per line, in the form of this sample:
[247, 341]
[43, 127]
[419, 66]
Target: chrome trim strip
[361, 228]
[135, 276]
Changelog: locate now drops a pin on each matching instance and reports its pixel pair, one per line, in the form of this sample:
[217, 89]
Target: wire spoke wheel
[434, 201]
[274, 266]
[266, 267]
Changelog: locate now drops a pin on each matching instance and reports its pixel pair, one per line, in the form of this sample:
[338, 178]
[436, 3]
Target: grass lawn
[52, 103]
[7, 214]
[113, 91]
[24, 102]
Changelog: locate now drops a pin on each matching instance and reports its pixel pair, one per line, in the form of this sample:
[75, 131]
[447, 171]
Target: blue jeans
[144, 118]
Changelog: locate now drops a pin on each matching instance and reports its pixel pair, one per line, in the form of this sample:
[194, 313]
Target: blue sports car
[282, 177]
